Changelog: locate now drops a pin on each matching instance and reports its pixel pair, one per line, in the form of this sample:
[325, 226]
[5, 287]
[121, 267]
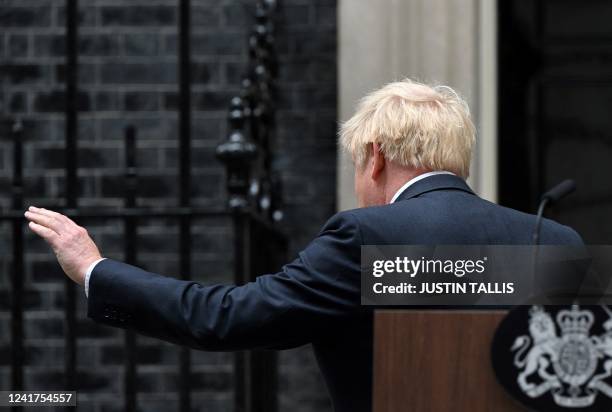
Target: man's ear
[378, 161]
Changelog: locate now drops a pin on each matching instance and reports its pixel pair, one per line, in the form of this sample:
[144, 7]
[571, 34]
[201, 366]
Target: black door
[555, 113]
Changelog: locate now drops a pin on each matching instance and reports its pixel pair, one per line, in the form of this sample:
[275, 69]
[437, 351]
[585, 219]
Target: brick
[170, 101]
[44, 379]
[165, 241]
[148, 186]
[297, 68]
[5, 377]
[87, 405]
[86, 16]
[151, 404]
[148, 158]
[5, 325]
[17, 45]
[218, 381]
[139, 73]
[113, 355]
[88, 329]
[326, 130]
[88, 355]
[5, 359]
[98, 45]
[283, 45]
[41, 187]
[214, 242]
[163, 263]
[139, 101]
[218, 43]
[212, 100]
[170, 44]
[204, 158]
[303, 42]
[141, 44]
[18, 102]
[54, 101]
[237, 15]
[100, 158]
[44, 328]
[95, 158]
[86, 73]
[323, 97]
[91, 380]
[25, 16]
[106, 100]
[205, 16]
[85, 128]
[110, 242]
[5, 184]
[24, 73]
[217, 270]
[112, 406]
[204, 73]
[145, 355]
[234, 72]
[3, 162]
[148, 382]
[324, 68]
[295, 15]
[147, 128]
[326, 16]
[31, 299]
[35, 128]
[50, 45]
[44, 355]
[138, 15]
[290, 123]
[207, 129]
[210, 185]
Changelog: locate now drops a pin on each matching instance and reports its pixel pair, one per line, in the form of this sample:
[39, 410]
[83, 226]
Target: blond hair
[416, 125]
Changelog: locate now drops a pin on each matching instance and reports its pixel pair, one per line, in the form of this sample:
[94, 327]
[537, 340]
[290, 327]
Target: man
[411, 144]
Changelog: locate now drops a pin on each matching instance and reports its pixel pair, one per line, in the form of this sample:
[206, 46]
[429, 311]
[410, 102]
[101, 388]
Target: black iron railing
[253, 206]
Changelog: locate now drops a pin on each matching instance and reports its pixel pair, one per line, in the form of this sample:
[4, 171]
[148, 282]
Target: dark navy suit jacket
[316, 298]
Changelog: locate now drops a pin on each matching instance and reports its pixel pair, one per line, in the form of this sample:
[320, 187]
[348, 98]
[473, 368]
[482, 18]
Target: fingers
[44, 232]
[46, 221]
[51, 214]
[57, 222]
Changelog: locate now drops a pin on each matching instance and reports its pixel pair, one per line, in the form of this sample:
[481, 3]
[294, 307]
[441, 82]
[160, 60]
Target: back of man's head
[416, 125]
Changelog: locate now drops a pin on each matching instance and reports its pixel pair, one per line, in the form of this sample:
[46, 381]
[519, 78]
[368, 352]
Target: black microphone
[560, 191]
[553, 195]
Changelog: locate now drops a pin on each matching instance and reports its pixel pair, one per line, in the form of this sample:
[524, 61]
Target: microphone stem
[536, 232]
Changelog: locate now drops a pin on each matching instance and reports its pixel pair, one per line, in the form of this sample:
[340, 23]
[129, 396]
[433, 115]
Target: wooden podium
[436, 361]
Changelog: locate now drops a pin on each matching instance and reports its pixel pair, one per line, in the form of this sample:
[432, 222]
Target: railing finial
[237, 153]
[247, 153]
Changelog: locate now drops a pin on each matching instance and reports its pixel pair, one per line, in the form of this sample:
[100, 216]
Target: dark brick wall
[128, 75]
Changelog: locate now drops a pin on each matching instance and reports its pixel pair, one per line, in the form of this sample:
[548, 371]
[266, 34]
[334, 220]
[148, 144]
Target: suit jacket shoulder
[444, 210]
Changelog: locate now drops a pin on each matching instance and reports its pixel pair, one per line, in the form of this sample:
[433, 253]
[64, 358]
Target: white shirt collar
[416, 179]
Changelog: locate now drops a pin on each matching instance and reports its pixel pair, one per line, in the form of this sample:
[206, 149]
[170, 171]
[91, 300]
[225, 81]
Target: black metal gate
[253, 207]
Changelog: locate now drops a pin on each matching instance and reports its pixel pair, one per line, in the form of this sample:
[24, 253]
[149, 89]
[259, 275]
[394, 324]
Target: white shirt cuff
[88, 275]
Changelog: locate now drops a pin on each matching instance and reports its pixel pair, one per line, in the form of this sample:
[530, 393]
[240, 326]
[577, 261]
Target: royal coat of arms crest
[573, 366]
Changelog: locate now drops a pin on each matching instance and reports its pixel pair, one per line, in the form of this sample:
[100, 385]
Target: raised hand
[73, 247]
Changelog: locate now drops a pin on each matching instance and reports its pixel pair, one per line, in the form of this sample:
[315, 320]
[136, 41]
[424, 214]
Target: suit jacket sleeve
[287, 309]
